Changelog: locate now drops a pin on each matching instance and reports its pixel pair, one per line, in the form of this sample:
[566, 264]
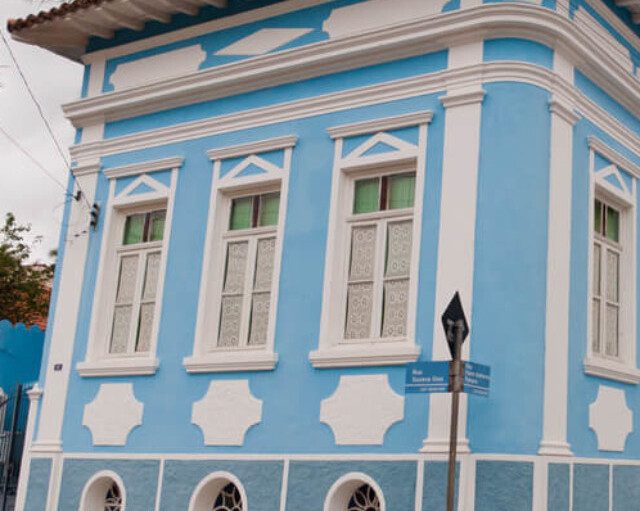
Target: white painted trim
[216, 25]
[103, 474]
[134, 366]
[332, 351]
[223, 478]
[379, 125]
[629, 35]
[419, 485]
[159, 485]
[231, 361]
[340, 491]
[564, 110]
[261, 146]
[86, 169]
[284, 485]
[540, 484]
[369, 95]
[136, 169]
[98, 362]
[467, 485]
[611, 370]
[206, 357]
[614, 156]
[457, 98]
[394, 42]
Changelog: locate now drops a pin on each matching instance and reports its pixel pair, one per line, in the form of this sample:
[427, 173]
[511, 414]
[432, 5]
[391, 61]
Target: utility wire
[42, 116]
[32, 159]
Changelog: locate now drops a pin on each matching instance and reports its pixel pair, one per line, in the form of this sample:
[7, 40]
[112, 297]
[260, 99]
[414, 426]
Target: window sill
[133, 366]
[611, 370]
[231, 361]
[375, 353]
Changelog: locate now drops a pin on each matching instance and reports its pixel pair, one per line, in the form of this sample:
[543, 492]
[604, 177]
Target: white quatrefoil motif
[113, 413]
[611, 419]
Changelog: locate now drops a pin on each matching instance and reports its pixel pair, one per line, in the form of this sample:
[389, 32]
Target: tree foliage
[24, 288]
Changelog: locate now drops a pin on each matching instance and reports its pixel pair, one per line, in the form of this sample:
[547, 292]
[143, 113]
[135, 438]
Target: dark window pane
[613, 224]
[597, 217]
[156, 225]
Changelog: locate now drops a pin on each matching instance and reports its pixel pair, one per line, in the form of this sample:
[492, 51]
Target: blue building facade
[289, 195]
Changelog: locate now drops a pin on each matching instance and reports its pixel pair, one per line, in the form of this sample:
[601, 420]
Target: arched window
[103, 492]
[219, 491]
[354, 492]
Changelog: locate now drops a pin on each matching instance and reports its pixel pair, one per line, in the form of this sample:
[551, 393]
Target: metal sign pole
[456, 387]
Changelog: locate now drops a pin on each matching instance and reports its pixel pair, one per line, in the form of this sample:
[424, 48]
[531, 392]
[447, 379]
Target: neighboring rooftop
[633, 6]
[66, 29]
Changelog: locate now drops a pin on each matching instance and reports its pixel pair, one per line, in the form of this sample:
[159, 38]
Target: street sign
[427, 377]
[453, 315]
[476, 379]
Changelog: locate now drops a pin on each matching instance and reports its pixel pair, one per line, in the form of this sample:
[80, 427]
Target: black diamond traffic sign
[452, 314]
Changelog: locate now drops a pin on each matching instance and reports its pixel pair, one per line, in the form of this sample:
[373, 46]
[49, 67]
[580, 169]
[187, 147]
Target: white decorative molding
[362, 409]
[410, 38]
[605, 40]
[378, 125]
[144, 167]
[263, 41]
[375, 14]
[170, 64]
[398, 149]
[611, 370]
[369, 95]
[135, 366]
[564, 110]
[231, 361]
[614, 156]
[226, 412]
[463, 97]
[610, 17]
[375, 354]
[86, 168]
[112, 414]
[262, 146]
[611, 419]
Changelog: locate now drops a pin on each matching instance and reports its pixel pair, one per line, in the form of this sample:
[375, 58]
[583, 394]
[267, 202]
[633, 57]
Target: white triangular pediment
[381, 140]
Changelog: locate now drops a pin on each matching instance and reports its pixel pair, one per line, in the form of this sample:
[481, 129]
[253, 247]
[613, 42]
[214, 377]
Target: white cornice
[610, 17]
[86, 168]
[272, 144]
[613, 156]
[564, 110]
[386, 124]
[144, 167]
[398, 41]
[462, 98]
[354, 98]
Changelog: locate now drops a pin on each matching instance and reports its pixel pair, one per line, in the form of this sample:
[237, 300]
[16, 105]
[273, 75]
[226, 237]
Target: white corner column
[457, 232]
[25, 465]
[556, 362]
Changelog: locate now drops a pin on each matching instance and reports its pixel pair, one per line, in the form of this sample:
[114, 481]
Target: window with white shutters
[139, 256]
[250, 247]
[379, 260]
[606, 279]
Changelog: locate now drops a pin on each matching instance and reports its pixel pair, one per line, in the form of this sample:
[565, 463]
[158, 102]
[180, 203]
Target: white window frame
[333, 350]
[98, 360]
[207, 356]
[622, 368]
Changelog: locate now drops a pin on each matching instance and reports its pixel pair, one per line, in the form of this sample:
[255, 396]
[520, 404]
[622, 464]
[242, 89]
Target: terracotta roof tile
[15, 25]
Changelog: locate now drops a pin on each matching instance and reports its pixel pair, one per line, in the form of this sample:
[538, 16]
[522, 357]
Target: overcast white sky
[24, 188]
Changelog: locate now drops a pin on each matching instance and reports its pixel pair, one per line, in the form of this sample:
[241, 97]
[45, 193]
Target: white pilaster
[457, 232]
[25, 465]
[554, 433]
[540, 484]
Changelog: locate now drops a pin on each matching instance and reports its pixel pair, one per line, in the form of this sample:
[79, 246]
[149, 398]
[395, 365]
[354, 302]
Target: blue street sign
[427, 377]
[476, 379]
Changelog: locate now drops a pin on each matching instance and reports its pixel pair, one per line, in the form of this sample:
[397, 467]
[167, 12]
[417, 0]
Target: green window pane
[241, 213]
[367, 196]
[133, 229]
[156, 225]
[597, 217]
[269, 209]
[613, 225]
[401, 191]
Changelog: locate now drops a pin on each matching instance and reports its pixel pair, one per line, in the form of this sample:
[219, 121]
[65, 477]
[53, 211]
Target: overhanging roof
[633, 6]
[66, 29]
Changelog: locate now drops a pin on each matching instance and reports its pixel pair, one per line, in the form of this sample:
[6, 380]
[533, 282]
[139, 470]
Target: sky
[25, 189]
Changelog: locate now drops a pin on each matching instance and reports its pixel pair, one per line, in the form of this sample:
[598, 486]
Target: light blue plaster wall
[261, 480]
[504, 486]
[38, 488]
[309, 482]
[519, 50]
[434, 491]
[509, 302]
[558, 487]
[290, 424]
[140, 479]
[626, 488]
[590, 487]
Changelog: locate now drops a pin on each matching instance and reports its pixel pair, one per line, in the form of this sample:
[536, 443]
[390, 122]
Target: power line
[32, 159]
[42, 116]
